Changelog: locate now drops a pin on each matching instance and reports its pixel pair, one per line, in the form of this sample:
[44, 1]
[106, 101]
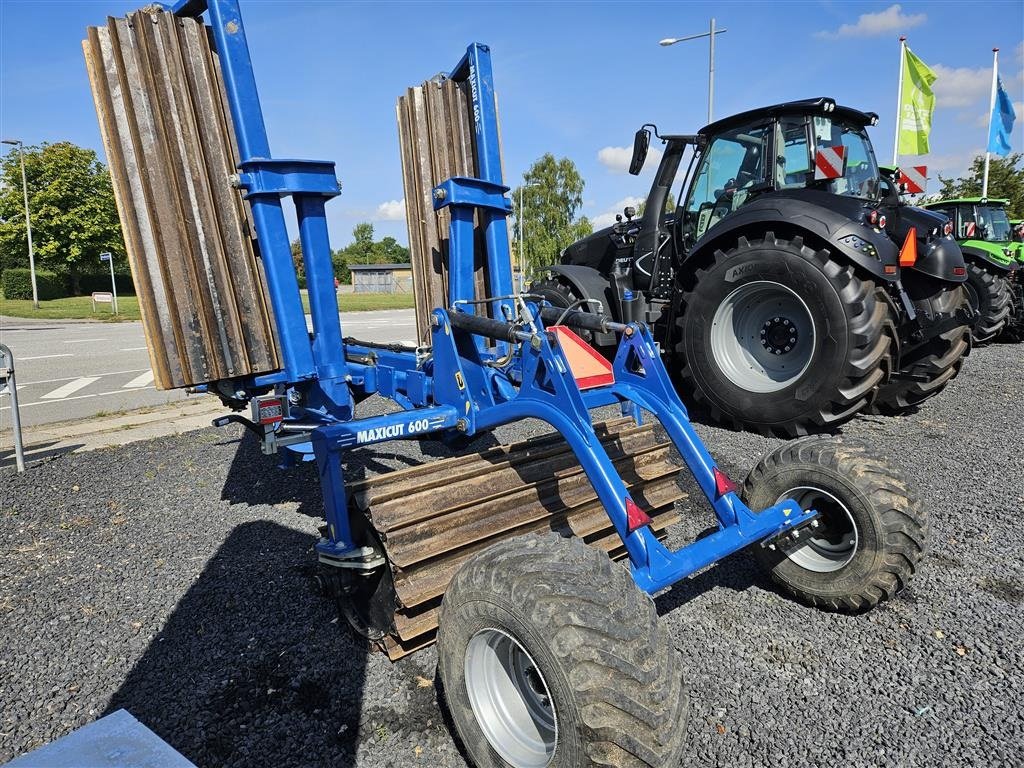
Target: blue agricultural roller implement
[530, 564]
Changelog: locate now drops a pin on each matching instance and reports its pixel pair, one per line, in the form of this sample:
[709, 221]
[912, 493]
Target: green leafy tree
[74, 216]
[389, 251]
[552, 193]
[1005, 181]
[361, 250]
[670, 205]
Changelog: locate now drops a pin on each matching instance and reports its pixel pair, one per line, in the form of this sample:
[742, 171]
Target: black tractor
[790, 286]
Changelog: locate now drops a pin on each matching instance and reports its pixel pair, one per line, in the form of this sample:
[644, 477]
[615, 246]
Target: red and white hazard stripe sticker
[828, 162]
[915, 178]
[969, 229]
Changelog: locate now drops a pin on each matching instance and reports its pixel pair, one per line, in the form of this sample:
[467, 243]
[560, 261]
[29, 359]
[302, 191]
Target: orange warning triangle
[588, 367]
[908, 253]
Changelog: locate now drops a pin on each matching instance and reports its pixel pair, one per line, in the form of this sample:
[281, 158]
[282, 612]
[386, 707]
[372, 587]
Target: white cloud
[981, 121]
[949, 165]
[392, 210]
[961, 86]
[892, 19]
[616, 159]
[607, 218]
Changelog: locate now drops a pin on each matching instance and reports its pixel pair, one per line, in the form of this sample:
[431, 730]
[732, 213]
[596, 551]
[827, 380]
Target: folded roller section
[434, 517]
[170, 143]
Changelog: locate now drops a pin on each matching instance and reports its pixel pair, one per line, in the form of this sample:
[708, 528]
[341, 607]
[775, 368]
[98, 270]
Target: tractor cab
[977, 218]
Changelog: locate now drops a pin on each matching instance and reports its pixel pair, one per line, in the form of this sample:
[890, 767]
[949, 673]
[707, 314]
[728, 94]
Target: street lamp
[711, 58]
[28, 220]
[522, 260]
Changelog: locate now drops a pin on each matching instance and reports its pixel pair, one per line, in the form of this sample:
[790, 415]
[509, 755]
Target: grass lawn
[80, 307]
[72, 308]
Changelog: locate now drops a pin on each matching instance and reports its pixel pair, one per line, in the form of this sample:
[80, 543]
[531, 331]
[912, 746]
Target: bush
[92, 283]
[17, 284]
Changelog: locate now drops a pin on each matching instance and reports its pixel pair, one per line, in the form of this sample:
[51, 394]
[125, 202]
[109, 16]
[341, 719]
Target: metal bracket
[357, 558]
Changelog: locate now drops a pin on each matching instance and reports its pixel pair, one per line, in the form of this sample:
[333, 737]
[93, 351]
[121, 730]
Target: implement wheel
[781, 338]
[925, 370]
[551, 656]
[988, 292]
[871, 532]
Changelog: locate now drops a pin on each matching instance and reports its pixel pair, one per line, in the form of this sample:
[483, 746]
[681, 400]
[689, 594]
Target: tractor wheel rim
[510, 699]
[763, 336]
[834, 542]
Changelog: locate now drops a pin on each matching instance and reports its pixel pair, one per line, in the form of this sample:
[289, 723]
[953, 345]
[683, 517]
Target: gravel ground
[172, 578]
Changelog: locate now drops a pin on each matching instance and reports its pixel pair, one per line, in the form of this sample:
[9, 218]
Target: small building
[381, 278]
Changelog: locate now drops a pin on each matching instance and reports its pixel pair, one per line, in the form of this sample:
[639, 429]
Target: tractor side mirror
[641, 143]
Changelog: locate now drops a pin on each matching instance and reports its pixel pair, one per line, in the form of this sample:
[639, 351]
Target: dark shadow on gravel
[254, 666]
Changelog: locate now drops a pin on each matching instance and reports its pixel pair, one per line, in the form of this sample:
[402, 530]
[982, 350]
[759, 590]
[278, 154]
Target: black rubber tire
[851, 358]
[562, 295]
[892, 526]
[614, 675]
[988, 292]
[938, 360]
[1013, 331]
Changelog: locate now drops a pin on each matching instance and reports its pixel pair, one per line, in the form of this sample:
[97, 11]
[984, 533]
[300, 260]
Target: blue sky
[575, 79]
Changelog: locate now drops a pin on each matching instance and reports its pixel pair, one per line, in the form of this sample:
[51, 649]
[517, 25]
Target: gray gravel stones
[174, 578]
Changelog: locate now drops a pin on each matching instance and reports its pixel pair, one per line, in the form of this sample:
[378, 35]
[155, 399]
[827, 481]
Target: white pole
[521, 262]
[991, 109]
[113, 285]
[899, 102]
[711, 72]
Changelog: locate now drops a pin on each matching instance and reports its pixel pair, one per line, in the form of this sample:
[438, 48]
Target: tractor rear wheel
[871, 531]
[562, 295]
[551, 656]
[780, 338]
[989, 294]
[925, 370]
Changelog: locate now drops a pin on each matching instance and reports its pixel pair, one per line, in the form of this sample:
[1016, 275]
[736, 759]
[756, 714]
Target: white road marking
[70, 388]
[133, 349]
[41, 357]
[71, 378]
[140, 381]
[76, 397]
[80, 341]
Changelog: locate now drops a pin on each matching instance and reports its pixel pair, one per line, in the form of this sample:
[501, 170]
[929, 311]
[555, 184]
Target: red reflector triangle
[723, 484]
[908, 253]
[587, 365]
[635, 517]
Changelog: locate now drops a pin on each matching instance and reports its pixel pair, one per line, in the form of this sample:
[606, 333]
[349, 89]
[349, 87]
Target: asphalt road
[75, 370]
[174, 578]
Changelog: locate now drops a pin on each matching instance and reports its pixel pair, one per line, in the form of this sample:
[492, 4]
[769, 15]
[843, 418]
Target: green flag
[917, 102]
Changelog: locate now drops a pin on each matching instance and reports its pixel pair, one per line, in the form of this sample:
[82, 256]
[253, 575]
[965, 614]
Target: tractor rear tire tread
[622, 672]
[995, 302]
[867, 364]
[868, 480]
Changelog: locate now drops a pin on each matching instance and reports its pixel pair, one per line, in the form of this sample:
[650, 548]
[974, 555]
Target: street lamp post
[28, 220]
[712, 31]
[522, 218]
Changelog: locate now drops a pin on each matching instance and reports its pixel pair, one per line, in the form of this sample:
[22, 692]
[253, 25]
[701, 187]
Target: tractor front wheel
[550, 656]
[989, 294]
[870, 532]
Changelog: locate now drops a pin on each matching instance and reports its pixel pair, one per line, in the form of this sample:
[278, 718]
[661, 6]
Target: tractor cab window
[792, 153]
[994, 223]
[729, 168]
[860, 177]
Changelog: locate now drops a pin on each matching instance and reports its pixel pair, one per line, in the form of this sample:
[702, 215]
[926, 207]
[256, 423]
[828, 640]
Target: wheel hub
[779, 335]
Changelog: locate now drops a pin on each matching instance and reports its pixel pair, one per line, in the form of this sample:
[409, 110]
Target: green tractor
[985, 235]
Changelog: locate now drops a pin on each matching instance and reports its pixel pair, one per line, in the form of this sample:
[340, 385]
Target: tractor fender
[982, 255]
[589, 284]
[941, 258]
[851, 238]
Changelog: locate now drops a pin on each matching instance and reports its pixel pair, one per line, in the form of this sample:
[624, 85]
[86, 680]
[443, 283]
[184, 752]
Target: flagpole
[991, 109]
[899, 101]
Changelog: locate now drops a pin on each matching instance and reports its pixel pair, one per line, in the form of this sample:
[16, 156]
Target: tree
[552, 193]
[74, 216]
[670, 205]
[388, 251]
[1005, 181]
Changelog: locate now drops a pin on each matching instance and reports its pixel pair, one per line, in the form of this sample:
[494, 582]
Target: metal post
[991, 109]
[113, 285]
[711, 71]
[28, 220]
[7, 362]
[521, 260]
[899, 102]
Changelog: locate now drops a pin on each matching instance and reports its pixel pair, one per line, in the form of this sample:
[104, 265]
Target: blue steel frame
[467, 384]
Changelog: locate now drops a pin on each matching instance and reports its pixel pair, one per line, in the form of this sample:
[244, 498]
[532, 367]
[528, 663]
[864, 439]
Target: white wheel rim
[762, 336]
[510, 699]
[836, 539]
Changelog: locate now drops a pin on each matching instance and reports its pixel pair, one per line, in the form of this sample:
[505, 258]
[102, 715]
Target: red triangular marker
[587, 365]
[723, 484]
[908, 253]
[635, 517]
